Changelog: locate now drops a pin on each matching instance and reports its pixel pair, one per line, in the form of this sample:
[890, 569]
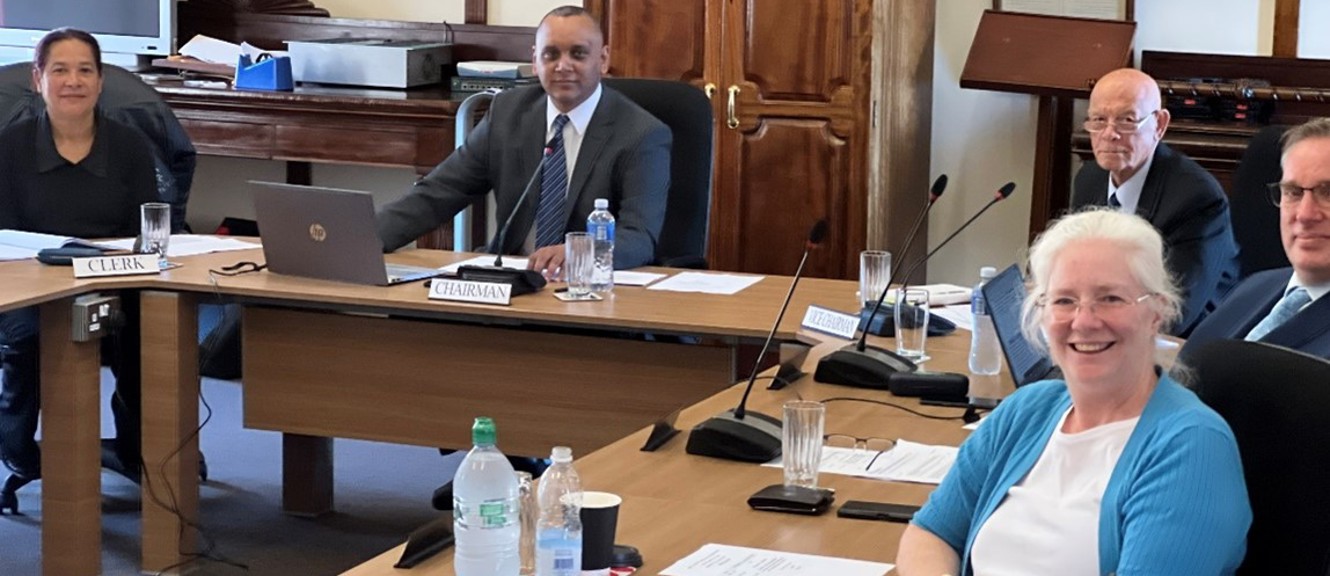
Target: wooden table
[326, 359]
[393, 324]
[71, 413]
[675, 502]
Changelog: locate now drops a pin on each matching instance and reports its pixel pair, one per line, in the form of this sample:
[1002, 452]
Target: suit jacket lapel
[1273, 289]
[1152, 193]
[593, 142]
[532, 130]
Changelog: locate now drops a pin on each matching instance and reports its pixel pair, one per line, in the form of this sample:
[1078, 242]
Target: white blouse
[1049, 521]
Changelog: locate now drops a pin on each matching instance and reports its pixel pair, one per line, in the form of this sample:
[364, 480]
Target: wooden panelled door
[789, 80]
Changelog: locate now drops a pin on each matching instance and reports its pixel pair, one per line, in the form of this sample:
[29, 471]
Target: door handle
[732, 117]
[709, 89]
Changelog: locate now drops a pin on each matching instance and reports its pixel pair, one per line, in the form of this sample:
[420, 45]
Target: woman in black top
[69, 171]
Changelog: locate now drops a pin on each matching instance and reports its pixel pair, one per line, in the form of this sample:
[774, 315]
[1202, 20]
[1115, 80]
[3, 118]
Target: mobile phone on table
[877, 511]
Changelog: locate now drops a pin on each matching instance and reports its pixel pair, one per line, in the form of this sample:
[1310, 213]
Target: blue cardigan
[1176, 502]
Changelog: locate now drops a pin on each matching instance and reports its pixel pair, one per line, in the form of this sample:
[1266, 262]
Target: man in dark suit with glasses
[1135, 172]
[1285, 306]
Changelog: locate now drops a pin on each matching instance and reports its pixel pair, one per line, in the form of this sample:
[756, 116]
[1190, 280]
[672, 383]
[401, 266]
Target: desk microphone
[863, 366]
[737, 434]
[522, 281]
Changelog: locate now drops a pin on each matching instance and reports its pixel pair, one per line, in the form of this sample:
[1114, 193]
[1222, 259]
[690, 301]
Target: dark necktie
[553, 190]
[1113, 201]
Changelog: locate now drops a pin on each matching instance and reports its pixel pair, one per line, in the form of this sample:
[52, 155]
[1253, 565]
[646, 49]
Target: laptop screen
[1004, 295]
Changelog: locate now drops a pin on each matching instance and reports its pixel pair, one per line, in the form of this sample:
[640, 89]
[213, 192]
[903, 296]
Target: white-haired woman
[1117, 469]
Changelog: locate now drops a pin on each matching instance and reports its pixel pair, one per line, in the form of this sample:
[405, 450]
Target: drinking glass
[154, 229]
[874, 273]
[579, 259]
[911, 322]
[801, 442]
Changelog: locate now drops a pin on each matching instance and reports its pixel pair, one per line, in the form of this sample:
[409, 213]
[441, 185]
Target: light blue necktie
[1281, 313]
[553, 190]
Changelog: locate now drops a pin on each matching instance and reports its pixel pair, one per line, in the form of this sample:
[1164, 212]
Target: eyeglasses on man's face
[1124, 125]
[1290, 194]
[1064, 308]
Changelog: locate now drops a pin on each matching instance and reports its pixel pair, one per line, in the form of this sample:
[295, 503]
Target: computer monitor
[127, 30]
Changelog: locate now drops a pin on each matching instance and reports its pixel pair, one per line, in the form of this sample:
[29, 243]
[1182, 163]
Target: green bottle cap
[482, 432]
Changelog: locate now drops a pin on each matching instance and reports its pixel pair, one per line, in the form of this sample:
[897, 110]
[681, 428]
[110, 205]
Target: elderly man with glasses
[1136, 173]
[1285, 306]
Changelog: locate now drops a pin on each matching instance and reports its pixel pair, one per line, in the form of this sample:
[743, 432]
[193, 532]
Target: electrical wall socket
[93, 316]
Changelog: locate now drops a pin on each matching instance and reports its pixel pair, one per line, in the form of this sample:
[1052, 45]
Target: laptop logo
[317, 233]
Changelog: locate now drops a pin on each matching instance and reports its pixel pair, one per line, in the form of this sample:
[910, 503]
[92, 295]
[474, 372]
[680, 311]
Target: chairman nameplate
[470, 291]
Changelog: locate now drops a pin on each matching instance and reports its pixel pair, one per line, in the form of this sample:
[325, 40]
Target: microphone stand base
[867, 368]
[522, 281]
[755, 438]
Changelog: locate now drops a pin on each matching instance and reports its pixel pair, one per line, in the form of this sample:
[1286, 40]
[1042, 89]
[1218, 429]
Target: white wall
[220, 187]
[982, 139]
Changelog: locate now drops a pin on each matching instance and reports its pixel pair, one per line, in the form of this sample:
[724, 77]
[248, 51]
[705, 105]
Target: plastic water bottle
[485, 509]
[600, 224]
[985, 352]
[559, 531]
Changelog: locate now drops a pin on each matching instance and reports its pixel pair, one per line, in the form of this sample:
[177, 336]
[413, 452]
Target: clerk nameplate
[828, 321]
[121, 265]
[470, 291]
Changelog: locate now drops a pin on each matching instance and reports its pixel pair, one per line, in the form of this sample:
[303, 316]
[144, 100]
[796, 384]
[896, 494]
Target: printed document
[191, 244]
[706, 283]
[906, 462]
[725, 560]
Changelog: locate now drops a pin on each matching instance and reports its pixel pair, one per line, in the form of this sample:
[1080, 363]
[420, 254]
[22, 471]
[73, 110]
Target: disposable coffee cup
[600, 519]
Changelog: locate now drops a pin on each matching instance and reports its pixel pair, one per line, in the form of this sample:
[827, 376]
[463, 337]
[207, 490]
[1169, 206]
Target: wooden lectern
[1057, 59]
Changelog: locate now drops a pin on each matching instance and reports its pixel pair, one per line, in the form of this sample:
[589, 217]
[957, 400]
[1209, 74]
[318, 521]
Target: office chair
[1275, 400]
[687, 112]
[1255, 219]
[128, 99]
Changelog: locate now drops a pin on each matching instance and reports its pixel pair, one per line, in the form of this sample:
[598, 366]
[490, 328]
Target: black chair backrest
[126, 98]
[687, 112]
[1276, 401]
[1255, 218]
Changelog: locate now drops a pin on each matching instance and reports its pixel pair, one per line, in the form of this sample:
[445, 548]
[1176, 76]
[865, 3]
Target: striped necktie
[1289, 305]
[553, 190]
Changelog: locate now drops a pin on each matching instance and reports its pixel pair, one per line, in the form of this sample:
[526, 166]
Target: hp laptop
[325, 233]
[1004, 295]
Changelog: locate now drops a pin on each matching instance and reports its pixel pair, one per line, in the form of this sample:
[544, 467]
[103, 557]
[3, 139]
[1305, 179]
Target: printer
[369, 62]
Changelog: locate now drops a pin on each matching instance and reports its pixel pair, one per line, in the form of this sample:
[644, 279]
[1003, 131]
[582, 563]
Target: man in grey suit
[1136, 173]
[587, 140]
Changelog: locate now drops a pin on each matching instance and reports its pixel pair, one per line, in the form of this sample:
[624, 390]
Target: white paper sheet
[913, 462]
[906, 462]
[631, 278]
[209, 49]
[191, 244]
[16, 253]
[725, 560]
[958, 314]
[706, 283]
